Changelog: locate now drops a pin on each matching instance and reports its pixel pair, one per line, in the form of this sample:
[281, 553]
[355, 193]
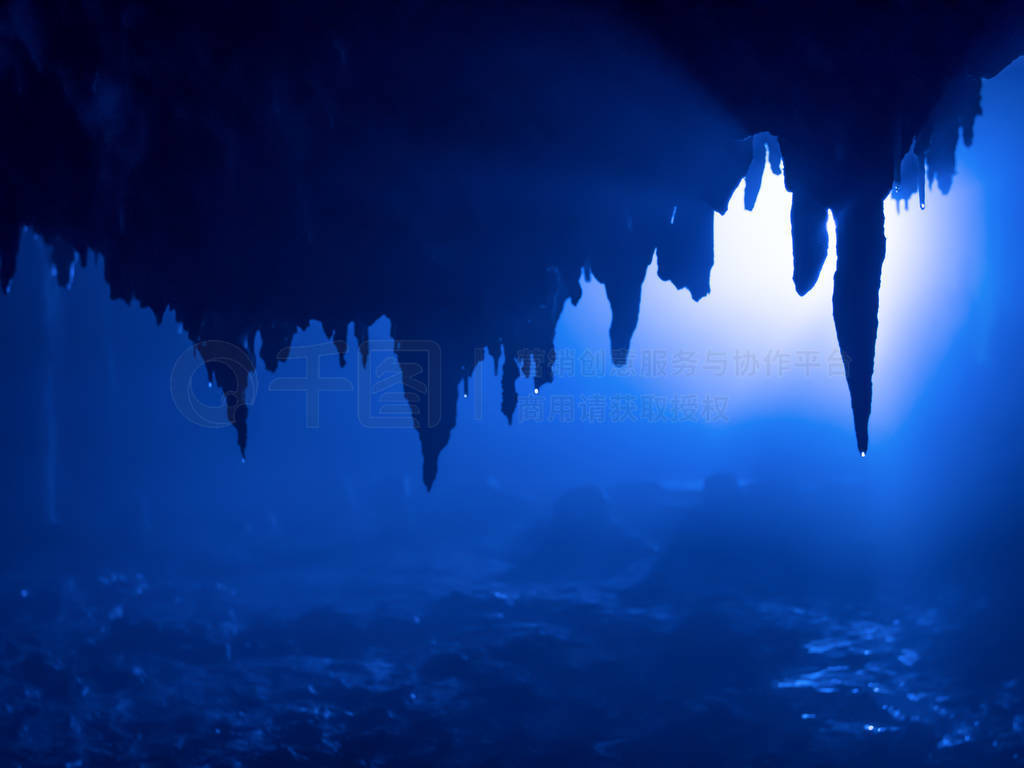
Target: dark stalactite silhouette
[808, 220]
[860, 247]
[458, 168]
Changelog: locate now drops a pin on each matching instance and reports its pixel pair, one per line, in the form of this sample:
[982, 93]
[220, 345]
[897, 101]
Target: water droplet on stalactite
[863, 454]
[465, 395]
[209, 385]
[243, 459]
[536, 390]
[922, 205]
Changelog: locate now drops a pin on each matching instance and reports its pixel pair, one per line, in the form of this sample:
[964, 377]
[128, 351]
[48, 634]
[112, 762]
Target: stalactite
[808, 220]
[461, 171]
[860, 246]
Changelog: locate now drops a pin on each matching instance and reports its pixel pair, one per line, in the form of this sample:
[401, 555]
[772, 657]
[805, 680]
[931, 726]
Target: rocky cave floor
[358, 661]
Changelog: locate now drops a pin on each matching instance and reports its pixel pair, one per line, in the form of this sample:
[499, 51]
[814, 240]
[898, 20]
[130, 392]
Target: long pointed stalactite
[458, 168]
[860, 247]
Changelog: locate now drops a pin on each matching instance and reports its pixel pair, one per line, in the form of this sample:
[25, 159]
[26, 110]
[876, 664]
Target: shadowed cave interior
[459, 170]
[447, 186]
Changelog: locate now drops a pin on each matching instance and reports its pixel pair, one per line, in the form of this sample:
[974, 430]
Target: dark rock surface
[391, 661]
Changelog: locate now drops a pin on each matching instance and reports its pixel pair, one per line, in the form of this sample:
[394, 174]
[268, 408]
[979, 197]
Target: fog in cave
[682, 560]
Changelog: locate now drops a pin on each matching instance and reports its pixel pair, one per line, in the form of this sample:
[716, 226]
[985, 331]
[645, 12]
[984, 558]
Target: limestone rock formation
[458, 166]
